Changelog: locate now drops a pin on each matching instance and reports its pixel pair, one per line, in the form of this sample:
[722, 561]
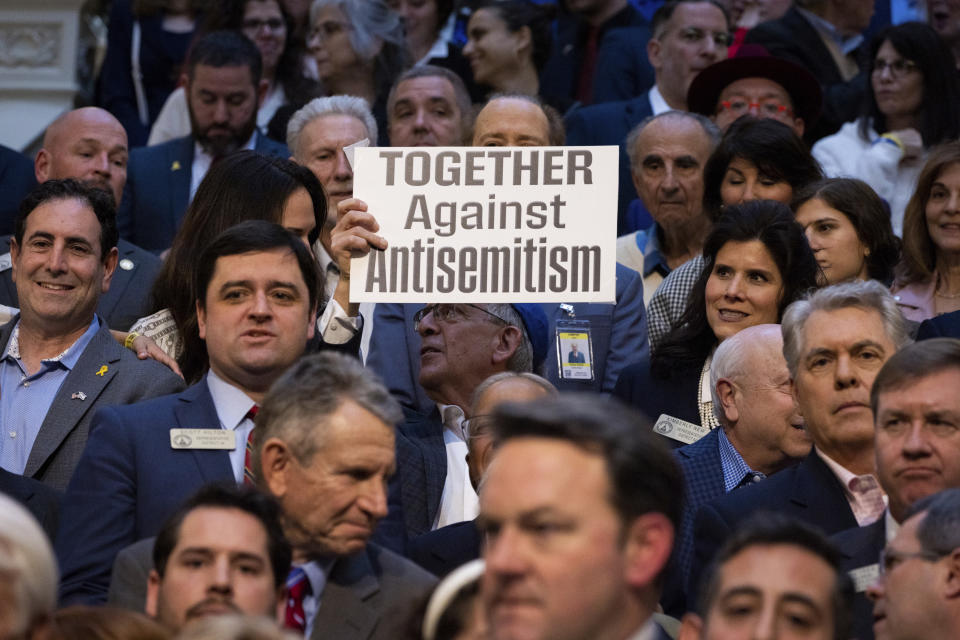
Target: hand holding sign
[352, 237]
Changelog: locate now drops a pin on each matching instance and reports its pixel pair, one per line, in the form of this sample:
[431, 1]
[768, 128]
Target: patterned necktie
[248, 477]
[298, 587]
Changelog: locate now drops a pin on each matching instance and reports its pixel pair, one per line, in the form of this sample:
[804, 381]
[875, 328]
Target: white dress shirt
[232, 406]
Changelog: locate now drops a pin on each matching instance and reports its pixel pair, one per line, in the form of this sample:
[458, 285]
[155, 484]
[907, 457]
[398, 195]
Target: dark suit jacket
[675, 396]
[421, 469]
[944, 326]
[39, 499]
[128, 579]
[444, 549]
[618, 333]
[809, 492]
[609, 124]
[861, 547]
[129, 296]
[131, 480]
[16, 180]
[793, 38]
[63, 434]
[158, 190]
[369, 596]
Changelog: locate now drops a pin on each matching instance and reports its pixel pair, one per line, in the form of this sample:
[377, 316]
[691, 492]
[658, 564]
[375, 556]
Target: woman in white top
[911, 105]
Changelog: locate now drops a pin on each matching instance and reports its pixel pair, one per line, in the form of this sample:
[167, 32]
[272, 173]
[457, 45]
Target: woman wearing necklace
[928, 277]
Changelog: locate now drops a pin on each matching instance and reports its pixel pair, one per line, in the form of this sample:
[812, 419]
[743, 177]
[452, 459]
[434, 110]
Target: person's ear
[276, 464]
[798, 127]
[653, 53]
[727, 392]
[41, 166]
[109, 268]
[952, 584]
[691, 627]
[508, 340]
[153, 593]
[649, 541]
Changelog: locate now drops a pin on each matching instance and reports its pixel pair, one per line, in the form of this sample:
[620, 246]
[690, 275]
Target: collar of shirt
[860, 490]
[68, 358]
[202, 161]
[648, 241]
[891, 526]
[439, 48]
[847, 45]
[657, 103]
[452, 417]
[732, 463]
[231, 403]
[647, 632]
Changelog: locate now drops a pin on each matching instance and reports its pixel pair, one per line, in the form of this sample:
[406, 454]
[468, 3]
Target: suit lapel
[345, 607]
[816, 486]
[88, 377]
[195, 410]
[181, 174]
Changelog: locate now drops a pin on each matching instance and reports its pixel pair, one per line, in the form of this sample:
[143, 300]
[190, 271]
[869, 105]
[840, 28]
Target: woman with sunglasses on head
[911, 105]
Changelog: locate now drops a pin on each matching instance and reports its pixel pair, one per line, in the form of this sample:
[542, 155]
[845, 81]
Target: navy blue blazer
[944, 326]
[702, 482]
[619, 334]
[128, 482]
[861, 547]
[443, 550]
[793, 38]
[158, 190]
[16, 180]
[41, 501]
[609, 124]
[128, 299]
[675, 396]
[421, 469]
[809, 492]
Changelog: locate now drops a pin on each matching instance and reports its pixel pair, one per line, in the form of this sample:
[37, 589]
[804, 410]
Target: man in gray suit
[324, 447]
[59, 361]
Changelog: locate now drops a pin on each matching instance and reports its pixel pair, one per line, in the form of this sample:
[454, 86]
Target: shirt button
[26, 384]
[13, 434]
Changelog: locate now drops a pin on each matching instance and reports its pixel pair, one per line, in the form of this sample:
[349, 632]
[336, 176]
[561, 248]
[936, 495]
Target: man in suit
[688, 36]
[16, 180]
[59, 361]
[824, 37]
[579, 510]
[834, 343]
[257, 300]
[916, 595]
[443, 550]
[918, 452]
[774, 578]
[224, 89]
[618, 331]
[90, 145]
[760, 434]
[324, 448]
[223, 552]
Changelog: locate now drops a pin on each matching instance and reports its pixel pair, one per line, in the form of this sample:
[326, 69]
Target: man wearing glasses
[462, 345]
[917, 444]
[915, 595]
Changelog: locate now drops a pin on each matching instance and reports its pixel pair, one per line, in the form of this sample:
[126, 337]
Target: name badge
[864, 577]
[203, 439]
[679, 430]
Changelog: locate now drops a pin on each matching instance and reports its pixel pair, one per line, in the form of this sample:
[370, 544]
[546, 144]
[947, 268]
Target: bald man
[443, 550]
[90, 145]
[760, 433]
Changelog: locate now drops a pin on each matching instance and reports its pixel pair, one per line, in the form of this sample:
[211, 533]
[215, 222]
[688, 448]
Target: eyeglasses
[448, 313]
[890, 558]
[326, 30]
[898, 68]
[273, 24]
[767, 108]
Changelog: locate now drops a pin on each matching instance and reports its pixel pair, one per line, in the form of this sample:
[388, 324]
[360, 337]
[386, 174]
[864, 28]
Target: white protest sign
[489, 224]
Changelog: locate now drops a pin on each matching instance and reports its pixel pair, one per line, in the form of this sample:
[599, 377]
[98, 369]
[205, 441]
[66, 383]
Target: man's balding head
[512, 121]
[86, 144]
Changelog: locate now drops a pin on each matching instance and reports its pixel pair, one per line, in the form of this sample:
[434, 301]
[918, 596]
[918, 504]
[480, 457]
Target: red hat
[753, 61]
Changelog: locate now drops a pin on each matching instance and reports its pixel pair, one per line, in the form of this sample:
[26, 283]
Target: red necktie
[248, 477]
[297, 588]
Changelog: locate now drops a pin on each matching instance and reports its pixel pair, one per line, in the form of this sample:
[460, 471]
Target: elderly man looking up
[667, 155]
[835, 343]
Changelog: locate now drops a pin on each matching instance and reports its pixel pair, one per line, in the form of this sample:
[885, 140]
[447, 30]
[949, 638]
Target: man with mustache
[917, 443]
[222, 552]
[224, 90]
[835, 343]
[324, 448]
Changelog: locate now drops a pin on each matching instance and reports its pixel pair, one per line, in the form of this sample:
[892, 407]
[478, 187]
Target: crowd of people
[205, 436]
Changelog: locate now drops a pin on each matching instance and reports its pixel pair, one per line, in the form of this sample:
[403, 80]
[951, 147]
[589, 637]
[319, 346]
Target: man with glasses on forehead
[916, 593]
[462, 345]
[754, 83]
[688, 36]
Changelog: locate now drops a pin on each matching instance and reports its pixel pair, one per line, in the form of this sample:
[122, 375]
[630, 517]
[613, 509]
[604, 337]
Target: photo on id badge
[575, 354]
